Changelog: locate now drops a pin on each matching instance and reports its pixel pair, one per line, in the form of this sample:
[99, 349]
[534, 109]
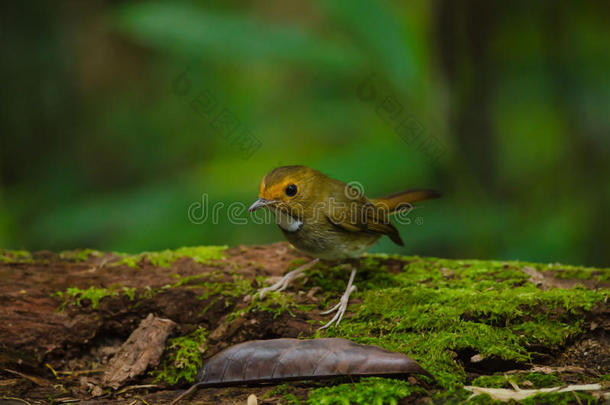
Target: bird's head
[287, 188]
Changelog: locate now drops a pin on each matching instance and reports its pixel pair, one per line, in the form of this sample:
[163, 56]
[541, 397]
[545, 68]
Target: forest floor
[468, 322]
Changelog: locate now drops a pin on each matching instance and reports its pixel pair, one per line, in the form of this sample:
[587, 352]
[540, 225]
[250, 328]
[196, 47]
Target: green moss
[128, 260]
[200, 254]
[15, 256]
[482, 399]
[455, 395]
[435, 309]
[573, 272]
[274, 302]
[564, 398]
[536, 380]
[194, 280]
[75, 295]
[129, 292]
[286, 392]
[216, 285]
[79, 255]
[236, 287]
[492, 381]
[182, 358]
[369, 391]
[290, 399]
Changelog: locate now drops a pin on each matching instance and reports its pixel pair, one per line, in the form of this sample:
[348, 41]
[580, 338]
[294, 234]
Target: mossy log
[486, 323]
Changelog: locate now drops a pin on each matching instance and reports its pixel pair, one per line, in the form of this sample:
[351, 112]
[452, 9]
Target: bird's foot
[287, 279]
[341, 307]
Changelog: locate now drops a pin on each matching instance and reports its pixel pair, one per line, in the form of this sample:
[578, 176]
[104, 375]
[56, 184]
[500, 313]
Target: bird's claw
[340, 308]
[287, 279]
[342, 305]
[280, 285]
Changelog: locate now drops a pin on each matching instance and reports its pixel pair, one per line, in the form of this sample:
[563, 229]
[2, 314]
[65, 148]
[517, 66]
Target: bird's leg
[287, 279]
[342, 305]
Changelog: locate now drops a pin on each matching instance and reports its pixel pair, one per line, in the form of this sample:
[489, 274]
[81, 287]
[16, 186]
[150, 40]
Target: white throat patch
[287, 222]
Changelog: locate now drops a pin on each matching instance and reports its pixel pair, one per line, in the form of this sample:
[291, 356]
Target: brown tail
[404, 199]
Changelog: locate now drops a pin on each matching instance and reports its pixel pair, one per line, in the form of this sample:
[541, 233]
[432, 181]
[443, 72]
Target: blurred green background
[99, 150]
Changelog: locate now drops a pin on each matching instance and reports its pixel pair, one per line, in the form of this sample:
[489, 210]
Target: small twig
[512, 383]
[9, 381]
[47, 365]
[79, 372]
[136, 387]
[16, 399]
[577, 399]
[186, 393]
[551, 370]
[503, 394]
[38, 381]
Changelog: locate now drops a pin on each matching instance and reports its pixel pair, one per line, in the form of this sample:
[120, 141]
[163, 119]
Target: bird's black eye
[291, 190]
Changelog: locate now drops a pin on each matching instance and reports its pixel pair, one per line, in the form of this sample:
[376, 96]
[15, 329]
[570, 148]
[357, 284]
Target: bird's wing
[366, 218]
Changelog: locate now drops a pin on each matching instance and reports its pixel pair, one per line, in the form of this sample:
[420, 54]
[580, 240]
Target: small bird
[329, 220]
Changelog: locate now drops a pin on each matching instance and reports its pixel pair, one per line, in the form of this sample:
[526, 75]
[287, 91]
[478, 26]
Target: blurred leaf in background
[98, 150]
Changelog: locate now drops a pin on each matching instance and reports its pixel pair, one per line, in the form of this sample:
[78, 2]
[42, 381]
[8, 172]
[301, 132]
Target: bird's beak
[260, 203]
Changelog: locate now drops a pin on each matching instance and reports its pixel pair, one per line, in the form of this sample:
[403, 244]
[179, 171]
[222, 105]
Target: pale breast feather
[287, 222]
